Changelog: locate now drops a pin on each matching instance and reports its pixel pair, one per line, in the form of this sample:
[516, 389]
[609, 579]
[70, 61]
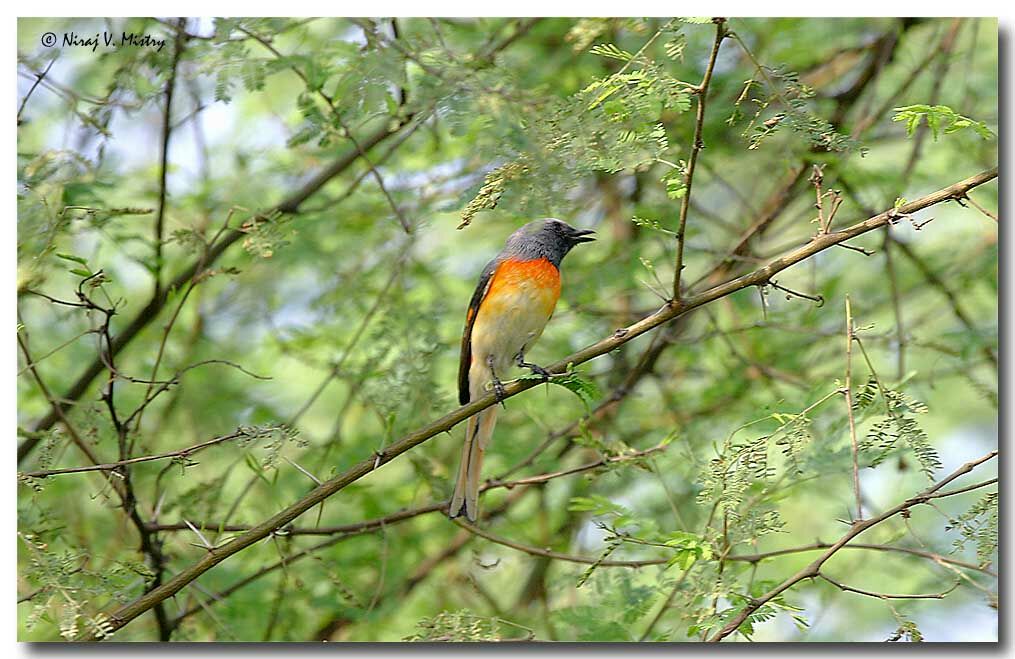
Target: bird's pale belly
[512, 316]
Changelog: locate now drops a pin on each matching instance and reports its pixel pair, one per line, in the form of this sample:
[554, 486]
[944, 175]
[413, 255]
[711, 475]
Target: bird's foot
[498, 386]
[538, 370]
[498, 391]
[535, 368]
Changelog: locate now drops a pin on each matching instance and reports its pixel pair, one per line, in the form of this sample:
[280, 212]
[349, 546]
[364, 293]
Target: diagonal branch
[981, 208]
[886, 596]
[110, 466]
[39, 77]
[556, 555]
[337, 114]
[937, 558]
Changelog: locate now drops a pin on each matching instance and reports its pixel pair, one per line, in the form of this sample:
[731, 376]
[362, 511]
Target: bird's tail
[477, 436]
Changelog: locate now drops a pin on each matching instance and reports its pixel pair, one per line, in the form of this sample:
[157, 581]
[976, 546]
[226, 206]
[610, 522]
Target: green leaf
[939, 118]
[683, 559]
[651, 224]
[71, 257]
[675, 190]
[586, 390]
[255, 466]
[595, 504]
[611, 51]
[675, 47]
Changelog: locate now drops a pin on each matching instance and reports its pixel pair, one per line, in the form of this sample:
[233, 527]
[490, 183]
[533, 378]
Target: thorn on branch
[862, 250]
[790, 293]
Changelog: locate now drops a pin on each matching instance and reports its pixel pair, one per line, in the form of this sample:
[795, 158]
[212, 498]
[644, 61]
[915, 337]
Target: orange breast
[538, 277]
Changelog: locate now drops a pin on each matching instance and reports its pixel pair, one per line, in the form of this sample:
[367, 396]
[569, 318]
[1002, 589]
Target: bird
[513, 301]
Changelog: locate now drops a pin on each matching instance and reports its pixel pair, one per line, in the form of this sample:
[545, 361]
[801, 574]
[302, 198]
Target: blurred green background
[353, 323]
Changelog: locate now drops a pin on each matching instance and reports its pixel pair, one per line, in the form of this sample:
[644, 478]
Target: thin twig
[75, 437]
[556, 555]
[848, 394]
[336, 369]
[817, 177]
[885, 596]
[819, 299]
[110, 466]
[666, 605]
[701, 92]
[937, 558]
[980, 208]
[39, 77]
[167, 130]
[39, 360]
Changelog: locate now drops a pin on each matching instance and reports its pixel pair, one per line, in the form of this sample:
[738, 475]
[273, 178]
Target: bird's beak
[583, 236]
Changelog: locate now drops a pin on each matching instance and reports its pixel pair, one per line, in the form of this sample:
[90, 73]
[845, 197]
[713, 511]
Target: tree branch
[981, 208]
[696, 146]
[885, 596]
[110, 466]
[848, 395]
[556, 555]
[937, 558]
[409, 513]
[167, 130]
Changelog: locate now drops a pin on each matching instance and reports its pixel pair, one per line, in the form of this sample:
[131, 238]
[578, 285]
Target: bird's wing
[470, 319]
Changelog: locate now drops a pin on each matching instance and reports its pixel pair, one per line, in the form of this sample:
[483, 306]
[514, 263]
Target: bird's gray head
[548, 238]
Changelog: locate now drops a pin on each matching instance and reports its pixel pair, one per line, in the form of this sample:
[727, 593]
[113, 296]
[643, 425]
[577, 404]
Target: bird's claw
[498, 386]
[538, 370]
[535, 368]
[498, 391]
